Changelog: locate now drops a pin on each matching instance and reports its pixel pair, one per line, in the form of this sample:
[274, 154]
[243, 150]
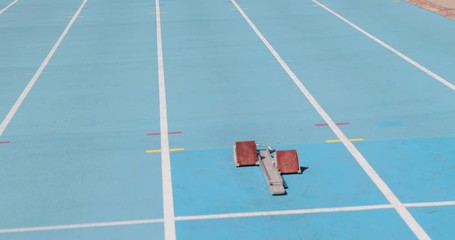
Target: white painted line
[8, 6]
[374, 176]
[311, 211]
[168, 196]
[430, 204]
[79, 226]
[283, 212]
[37, 74]
[385, 45]
[226, 216]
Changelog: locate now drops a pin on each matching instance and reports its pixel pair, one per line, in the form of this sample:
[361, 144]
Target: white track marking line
[79, 226]
[385, 45]
[283, 212]
[369, 170]
[168, 198]
[38, 73]
[311, 211]
[8, 6]
[430, 204]
[226, 215]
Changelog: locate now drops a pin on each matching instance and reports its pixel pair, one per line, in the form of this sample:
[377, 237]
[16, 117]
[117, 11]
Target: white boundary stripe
[283, 212]
[385, 45]
[430, 204]
[227, 215]
[79, 226]
[8, 6]
[374, 176]
[37, 74]
[311, 211]
[168, 198]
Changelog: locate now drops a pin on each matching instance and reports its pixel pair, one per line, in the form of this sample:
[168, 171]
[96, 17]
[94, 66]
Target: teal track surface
[74, 161]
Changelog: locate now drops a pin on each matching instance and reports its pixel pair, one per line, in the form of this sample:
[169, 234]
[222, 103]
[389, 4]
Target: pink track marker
[325, 124]
[5, 142]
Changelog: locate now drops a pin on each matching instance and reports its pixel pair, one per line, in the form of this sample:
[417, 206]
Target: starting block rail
[248, 153]
[271, 174]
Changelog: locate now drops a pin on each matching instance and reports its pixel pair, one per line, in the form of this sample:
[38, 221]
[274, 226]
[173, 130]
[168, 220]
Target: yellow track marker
[170, 150]
[338, 140]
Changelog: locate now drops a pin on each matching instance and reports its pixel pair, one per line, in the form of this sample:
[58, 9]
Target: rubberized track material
[117, 119]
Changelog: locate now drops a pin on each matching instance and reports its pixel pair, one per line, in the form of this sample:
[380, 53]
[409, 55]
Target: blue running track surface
[96, 94]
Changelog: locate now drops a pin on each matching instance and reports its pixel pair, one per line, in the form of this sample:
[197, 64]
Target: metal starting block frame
[249, 153]
[269, 168]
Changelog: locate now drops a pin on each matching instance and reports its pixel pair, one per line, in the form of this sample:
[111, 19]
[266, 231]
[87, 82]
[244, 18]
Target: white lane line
[385, 45]
[311, 211]
[166, 172]
[283, 212]
[430, 204]
[79, 226]
[8, 6]
[37, 74]
[374, 176]
[227, 215]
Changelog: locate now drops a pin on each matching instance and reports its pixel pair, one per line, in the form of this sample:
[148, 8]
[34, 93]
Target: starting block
[288, 161]
[245, 154]
[248, 153]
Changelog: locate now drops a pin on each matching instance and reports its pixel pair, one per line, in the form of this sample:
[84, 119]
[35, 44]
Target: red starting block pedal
[288, 161]
[245, 154]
